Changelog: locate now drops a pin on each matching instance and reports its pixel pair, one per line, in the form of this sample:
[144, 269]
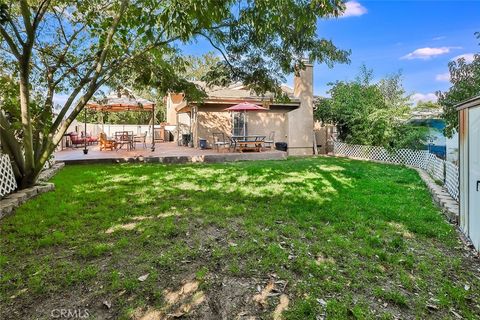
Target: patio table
[248, 143]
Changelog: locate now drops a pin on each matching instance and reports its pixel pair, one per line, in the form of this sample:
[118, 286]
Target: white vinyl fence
[95, 129]
[7, 177]
[452, 180]
[441, 170]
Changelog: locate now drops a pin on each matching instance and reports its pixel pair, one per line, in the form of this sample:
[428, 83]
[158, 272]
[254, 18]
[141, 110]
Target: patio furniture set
[121, 139]
[243, 143]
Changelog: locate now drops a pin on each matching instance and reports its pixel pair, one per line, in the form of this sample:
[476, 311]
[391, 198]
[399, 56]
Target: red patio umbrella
[245, 107]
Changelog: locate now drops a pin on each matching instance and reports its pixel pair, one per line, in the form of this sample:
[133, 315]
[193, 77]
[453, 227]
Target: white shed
[469, 143]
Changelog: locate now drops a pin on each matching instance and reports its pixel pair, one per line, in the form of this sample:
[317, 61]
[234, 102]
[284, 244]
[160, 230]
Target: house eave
[294, 103]
[472, 102]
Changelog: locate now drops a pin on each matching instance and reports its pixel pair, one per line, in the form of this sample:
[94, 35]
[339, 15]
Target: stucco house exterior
[292, 121]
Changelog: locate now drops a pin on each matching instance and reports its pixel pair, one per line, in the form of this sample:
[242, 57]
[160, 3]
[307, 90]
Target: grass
[348, 239]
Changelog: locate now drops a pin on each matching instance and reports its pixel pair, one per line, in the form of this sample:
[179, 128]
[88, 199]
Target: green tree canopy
[77, 47]
[149, 79]
[465, 79]
[197, 67]
[370, 113]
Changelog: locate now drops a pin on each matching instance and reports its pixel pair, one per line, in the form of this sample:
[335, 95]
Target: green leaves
[371, 113]
[265, 40]
[465, 79]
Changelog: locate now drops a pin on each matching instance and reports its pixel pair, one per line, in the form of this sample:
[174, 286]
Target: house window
[239, 124]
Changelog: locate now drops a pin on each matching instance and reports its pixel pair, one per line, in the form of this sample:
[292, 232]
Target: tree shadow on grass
[174, 212]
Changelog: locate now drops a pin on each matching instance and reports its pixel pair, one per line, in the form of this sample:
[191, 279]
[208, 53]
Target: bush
[371, 113]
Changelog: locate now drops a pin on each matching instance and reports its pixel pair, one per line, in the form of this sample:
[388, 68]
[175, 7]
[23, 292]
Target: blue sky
[417, 37]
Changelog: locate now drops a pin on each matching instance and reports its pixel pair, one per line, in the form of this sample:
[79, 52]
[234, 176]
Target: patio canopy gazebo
[122, 100]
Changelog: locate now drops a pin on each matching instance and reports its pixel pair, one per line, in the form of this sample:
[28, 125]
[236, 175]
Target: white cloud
[417, 97]
[353, 9]
[439, 38]
[427, 53]
[443, 77]
[467, 56]
[60, 99]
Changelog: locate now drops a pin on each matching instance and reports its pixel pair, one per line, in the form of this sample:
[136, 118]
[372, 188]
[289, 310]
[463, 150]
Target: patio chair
[106, 143]
[141, 139]
[219, 141]
[270, 140]
[76, 140]
[90, 139]
[124, 138]
[233, 144]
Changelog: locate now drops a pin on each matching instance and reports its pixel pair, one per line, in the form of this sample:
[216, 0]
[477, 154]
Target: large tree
[371, 113]
[76, 47]
[465, 79]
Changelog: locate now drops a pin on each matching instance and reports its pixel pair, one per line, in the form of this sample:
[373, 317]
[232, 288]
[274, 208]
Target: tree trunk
[26, 123]
[28, 180]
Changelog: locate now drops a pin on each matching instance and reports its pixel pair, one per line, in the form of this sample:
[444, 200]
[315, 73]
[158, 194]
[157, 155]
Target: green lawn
[332, 237]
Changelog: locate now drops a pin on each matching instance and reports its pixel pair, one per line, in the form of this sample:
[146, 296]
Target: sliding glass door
[239, 124]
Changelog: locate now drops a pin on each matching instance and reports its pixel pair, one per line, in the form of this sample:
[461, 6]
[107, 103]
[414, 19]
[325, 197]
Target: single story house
[290, 122]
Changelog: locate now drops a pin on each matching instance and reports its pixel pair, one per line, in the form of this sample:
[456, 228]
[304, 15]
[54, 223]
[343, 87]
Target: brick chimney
[300, 121]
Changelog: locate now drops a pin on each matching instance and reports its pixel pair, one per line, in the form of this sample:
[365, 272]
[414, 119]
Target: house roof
[473, 102]
[237, 93]
[238, 90]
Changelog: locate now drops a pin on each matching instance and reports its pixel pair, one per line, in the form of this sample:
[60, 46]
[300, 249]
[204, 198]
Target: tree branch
[15, 30]
[110, 34]
[42, 9]
[11, 44]
[218, 48]
[11, 142]
[68, 103]
[25, 11]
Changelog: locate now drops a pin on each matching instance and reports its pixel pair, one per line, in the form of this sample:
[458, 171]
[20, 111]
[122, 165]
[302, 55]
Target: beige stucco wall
[258, 123]
[300, 121]
[262, 123]
[210, 122]
[172, 101]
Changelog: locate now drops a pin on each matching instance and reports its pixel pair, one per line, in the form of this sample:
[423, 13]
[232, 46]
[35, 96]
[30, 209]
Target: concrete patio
[168, 152]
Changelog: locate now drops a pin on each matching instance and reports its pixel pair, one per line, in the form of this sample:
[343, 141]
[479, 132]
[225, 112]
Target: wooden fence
[442, 171]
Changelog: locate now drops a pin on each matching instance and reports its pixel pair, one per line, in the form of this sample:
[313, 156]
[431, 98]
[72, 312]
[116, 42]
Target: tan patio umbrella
[122, 101]
[245, 107]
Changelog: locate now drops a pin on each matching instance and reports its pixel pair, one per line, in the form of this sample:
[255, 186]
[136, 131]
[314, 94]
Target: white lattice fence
[7, 178]
[439, 169]
[451, 180]
[435, 167]
[416, 158]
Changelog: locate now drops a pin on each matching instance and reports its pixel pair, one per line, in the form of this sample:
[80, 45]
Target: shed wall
[463, 161]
